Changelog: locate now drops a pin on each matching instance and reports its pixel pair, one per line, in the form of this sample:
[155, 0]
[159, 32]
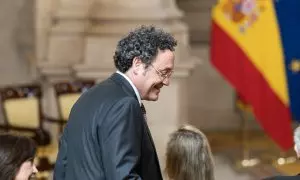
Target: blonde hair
[189, 156]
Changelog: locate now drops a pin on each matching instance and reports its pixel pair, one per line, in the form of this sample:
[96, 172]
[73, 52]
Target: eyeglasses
[163, 76]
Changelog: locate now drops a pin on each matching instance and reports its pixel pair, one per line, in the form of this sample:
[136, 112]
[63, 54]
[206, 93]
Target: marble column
[44, 12]
[198, 17]
[66, 33]
[61, 37]
[109, 21]
[17, 46]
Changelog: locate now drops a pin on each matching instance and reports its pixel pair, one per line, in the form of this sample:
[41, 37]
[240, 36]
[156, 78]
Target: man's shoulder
[109, 89]
[105, 93]
[106, 88]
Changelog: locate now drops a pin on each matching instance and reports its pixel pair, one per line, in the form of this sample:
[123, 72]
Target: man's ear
[137, 64]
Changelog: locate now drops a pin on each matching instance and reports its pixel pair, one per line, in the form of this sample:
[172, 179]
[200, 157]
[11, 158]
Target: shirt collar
[132, 85]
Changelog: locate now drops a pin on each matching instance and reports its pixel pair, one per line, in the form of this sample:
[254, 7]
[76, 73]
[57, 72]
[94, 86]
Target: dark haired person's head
[16, 157]
[146, 56]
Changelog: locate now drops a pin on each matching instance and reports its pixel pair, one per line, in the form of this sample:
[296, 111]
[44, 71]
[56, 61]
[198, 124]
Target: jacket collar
[124, 83]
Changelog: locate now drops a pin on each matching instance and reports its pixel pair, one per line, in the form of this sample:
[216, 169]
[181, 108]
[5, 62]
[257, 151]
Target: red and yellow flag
[255, 45]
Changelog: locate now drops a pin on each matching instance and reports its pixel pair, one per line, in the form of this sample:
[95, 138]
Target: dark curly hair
[14, 151]
[144, 43]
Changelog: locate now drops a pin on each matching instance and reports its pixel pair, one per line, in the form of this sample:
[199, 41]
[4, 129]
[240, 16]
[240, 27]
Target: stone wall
[16, 41]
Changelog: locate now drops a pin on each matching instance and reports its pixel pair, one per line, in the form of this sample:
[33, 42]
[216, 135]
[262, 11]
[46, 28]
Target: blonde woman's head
[188, 155]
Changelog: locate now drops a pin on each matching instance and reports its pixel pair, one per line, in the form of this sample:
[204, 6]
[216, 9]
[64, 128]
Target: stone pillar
[211, 100]
[44, 13]
[16, 41]
[109, 21]
[65, 38]
[61, 39]
[198, 18]
[63, 45]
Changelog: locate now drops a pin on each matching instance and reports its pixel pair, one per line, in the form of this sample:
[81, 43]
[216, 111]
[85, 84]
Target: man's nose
[166, 81]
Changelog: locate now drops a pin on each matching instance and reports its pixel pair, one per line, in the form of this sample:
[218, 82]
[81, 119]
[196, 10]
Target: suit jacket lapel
[149, 134]
[153, 145]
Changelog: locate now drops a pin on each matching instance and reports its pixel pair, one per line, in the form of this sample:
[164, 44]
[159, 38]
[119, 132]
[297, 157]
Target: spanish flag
[255, 45]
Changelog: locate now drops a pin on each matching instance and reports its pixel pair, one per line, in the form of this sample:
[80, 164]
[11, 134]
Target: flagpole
[246, 160]
[288, 157]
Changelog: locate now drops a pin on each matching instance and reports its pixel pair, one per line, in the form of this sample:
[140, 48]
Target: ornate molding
[53, 71]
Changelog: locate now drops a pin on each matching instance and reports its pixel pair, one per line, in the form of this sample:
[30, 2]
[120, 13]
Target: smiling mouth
[158, 87]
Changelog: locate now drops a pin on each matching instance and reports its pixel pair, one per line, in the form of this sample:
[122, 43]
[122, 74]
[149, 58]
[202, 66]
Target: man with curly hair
[107, 136]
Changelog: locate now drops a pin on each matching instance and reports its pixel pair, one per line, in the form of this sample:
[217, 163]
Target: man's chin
[152, 98]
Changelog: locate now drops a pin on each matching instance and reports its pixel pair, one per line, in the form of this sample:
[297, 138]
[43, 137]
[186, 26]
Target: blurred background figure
[17, 155]
[297, 151]
[189, 155]
[297, 141]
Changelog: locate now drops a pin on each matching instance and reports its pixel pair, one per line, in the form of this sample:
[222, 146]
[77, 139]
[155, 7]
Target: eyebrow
[166, 70]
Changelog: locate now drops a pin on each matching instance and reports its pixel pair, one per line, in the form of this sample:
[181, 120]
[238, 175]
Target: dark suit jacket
[297, 177]
[107, 137]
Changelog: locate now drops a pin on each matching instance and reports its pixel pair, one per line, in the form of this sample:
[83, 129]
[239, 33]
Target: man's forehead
[165, 59]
